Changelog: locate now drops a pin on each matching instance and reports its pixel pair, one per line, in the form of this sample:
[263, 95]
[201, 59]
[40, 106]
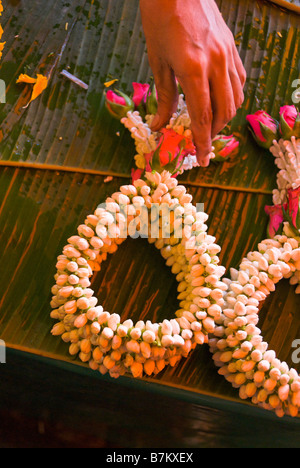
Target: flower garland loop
[237, 345]
[101, 338]
[219, 311]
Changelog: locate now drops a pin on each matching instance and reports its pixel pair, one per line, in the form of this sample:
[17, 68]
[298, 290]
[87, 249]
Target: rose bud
[289, 122]
[118, 104]
[263, 128]
[224, 147]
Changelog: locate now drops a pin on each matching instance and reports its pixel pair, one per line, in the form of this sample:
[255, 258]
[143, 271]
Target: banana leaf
[56, 154]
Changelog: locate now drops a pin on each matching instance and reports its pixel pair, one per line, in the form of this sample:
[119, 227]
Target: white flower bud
[107, 333]
[187, 334]
[275, 271]
[241, 335]
[149, 336]
[264, 365]
[196, 326]
[184, 323]
[263, 263]
[178, 340]
[239, 308]
[113, 321]
[167, 340]
[135, 333]
[256, 355]
[166, 327]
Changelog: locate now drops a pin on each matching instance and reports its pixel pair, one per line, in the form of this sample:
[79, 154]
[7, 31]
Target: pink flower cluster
[173, 143]
[265, 129]
[169, 154]
[143, 99]
[286, 212]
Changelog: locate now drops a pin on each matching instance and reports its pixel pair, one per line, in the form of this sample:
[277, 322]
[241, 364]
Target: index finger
[197, 95]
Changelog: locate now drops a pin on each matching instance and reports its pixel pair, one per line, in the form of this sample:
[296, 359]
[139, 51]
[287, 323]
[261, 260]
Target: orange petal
[107, 84]
[2, 44]
[40, 85]
[25, 79]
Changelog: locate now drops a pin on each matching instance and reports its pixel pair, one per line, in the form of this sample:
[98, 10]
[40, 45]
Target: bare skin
[189, 40]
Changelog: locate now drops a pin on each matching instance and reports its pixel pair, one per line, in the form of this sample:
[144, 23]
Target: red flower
[171, 149]
[276, 218]
[136, 174]
[294, 206]
[171, 144]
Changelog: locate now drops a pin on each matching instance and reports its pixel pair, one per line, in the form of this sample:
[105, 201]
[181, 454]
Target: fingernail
[204, 162]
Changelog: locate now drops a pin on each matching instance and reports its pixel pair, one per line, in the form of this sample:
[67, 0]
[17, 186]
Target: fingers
[197, 95]
[239, 67]
[223, 100]
[227, 95]
[213, 97]
[167, 94]
[213, 92]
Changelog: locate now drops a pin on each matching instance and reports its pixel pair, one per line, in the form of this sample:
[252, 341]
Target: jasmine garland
[101, 338]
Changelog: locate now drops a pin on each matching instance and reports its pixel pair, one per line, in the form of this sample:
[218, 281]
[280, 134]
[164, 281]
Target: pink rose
[224, 147]
[118, 104]
[289, 122]
[294, 206]
[263, 128]
[145, 98]
[276, 218]
[115, 98]
[140, 91]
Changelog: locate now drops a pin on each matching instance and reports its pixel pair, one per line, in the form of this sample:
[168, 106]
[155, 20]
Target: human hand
[188, 40]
